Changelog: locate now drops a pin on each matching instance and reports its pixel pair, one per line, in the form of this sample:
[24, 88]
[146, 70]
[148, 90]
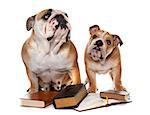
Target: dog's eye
[108, 42]
[46, 16]
[94, 36]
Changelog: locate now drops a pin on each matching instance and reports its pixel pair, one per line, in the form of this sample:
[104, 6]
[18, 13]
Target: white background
[130, 19]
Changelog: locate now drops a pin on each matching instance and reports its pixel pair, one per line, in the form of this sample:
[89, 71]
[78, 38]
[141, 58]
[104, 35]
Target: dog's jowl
[49, 55]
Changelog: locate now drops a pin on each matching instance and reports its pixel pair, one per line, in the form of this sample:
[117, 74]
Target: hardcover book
[40, 99]
[112, 94]
[70, 97]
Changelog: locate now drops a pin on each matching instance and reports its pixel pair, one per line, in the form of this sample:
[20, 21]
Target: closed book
[40, 99]
[112, 94]
[70, 97]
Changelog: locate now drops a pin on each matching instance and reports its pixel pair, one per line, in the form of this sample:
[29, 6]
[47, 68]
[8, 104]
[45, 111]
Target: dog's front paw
[46, 87]
[120, 88]
[91, 90]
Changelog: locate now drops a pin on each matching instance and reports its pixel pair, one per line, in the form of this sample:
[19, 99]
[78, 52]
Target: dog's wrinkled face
[48, 23]
[102, 44]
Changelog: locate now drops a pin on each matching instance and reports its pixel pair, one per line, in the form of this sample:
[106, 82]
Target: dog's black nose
[99, 43]
[61, 21]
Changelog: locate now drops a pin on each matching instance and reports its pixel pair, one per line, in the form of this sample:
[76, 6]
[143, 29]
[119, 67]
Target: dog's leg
[92, 80]
[33, 80]
[66, 80]
[75, 75]
[86, 81]
[116, 77]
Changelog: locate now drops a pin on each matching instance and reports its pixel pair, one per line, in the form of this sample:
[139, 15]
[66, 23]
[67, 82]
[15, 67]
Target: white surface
[129, 19]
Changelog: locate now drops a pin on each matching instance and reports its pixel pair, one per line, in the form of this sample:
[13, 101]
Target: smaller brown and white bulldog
[49, 55]
[102, 56]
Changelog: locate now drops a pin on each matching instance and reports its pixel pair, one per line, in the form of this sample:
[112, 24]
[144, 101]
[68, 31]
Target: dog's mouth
[49, 38]
[98, 54]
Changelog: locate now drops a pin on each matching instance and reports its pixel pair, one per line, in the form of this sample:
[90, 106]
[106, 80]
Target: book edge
[24, 103]
[107, 105]
[115, 92]
[76, 103]
[124, 97]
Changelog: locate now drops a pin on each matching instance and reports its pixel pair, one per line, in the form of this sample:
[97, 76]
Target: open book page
[93, 100]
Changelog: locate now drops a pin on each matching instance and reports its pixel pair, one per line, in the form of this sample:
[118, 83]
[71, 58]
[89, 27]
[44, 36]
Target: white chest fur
[41, 60]
[102, 69]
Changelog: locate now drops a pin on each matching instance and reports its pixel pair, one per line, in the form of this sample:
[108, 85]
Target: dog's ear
[117, 40]
[30, 22]
[93, 29]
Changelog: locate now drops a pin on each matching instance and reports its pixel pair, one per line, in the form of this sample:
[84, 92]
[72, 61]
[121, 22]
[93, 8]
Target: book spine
[112, 96]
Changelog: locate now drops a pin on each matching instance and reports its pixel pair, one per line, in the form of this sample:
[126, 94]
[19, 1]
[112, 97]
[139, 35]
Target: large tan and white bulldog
[49, 55]
[102, 56]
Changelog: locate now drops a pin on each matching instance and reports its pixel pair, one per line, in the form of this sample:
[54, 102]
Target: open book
[93, 101]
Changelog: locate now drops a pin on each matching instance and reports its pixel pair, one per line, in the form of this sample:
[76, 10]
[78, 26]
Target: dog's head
[102, 43]
[47, 22]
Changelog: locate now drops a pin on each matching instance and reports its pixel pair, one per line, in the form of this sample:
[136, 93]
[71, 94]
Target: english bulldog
[48, 54]
[102, 56]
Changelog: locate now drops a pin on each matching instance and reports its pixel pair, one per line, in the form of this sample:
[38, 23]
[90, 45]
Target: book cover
[118, 95]
[39, 99]
[70, 97]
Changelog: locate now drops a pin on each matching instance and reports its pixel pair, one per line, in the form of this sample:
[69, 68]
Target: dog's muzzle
[98, 45]
[97, 52]
[61, 21]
